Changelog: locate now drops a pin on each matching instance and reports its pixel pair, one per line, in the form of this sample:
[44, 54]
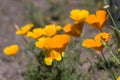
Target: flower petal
[105, 36]
[48, 61]
[37, 32]
[101, 16]
[79, 15]
[57, 41]
[11, 50]
[74, 29]
[24, 29]
[40, 42]
[97, 20]
[52, 29]
[96, 43]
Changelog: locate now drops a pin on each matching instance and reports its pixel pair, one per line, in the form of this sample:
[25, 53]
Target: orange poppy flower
[79, 15]
[37, 32]
[24, 29]
[54, 46]
[11, 50]
[74, 29]
[57, 41]
[97, 20]
[96, 43]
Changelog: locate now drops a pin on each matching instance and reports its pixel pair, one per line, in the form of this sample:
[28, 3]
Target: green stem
[108, 64]
[112, 27]
[106, 3]
[114, 56]
[104, 57]
[111, 18]
[25, 41]
[105, 44]
[26, 46]
[113, 21]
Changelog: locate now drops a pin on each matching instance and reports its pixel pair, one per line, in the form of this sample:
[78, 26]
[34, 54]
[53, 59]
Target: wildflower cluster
[53, 39]
[98, 22]
[79, 17]
[49, 40]
[53, 43]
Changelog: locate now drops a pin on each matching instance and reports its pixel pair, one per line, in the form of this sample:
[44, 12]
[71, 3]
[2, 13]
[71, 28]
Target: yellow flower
[37, 32]
[73, 29]
[79, 15]
[11, 50]
[52, 29]
[24, 29]
[118, 78]
[49, 30]
[96, 43]
[97, 20]
[52, 55]
[40, 42]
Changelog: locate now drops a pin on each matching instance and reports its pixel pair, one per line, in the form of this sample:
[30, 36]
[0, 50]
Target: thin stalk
[109, 49]
[26, 46]
[25, 41]
[16, 60]
[93, 70]
[114, 56]
[101, 30]
[112, 27]
[104, 57]
[105, 2]
[113, 21]
[108, 64]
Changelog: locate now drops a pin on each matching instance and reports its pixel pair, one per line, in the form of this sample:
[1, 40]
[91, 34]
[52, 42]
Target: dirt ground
[13, 12]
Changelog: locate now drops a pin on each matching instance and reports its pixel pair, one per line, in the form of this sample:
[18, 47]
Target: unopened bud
[106, 6]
